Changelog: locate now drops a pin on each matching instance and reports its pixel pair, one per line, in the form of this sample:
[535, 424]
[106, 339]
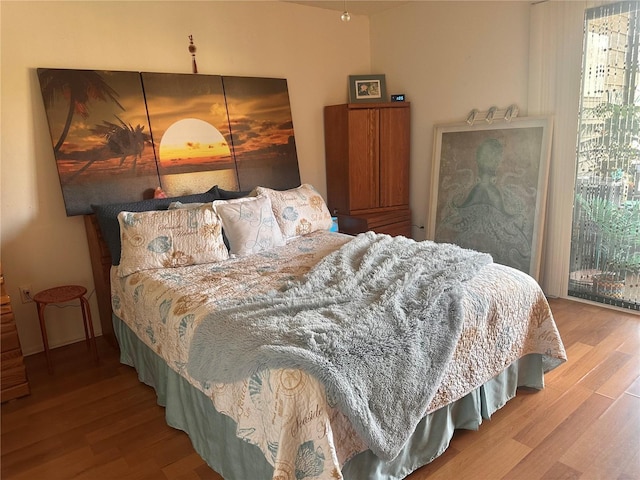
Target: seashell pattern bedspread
[285, 412]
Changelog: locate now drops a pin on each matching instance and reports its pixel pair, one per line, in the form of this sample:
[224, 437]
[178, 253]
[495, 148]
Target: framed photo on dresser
[367, 88]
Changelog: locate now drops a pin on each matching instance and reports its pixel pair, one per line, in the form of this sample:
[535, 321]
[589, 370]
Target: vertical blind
[605, 238]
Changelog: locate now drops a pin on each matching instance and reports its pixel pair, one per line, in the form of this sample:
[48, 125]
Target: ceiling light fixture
[346, 16]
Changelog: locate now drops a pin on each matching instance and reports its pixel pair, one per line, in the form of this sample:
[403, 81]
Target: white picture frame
[489, 188]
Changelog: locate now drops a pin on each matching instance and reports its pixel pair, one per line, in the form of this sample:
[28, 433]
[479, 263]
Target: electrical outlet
[25, 294]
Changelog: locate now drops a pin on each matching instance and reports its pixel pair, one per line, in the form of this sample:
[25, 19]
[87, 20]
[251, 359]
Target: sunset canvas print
[262, 132]
[191, 138]
[100, 134]
[118, 135]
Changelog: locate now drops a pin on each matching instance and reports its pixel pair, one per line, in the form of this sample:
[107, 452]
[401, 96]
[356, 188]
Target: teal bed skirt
[213, 435]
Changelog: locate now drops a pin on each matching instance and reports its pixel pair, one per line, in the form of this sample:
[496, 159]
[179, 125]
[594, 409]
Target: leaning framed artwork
[489, 188]
[367, 88]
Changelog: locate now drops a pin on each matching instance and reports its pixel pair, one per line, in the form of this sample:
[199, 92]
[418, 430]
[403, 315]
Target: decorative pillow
[249, 224]
[170, 238]
[107, 215]
[224, 195]
[175, 205]
[298, 211]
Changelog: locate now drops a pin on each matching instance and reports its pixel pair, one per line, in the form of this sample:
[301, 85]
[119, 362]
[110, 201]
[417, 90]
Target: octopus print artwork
[489, 189]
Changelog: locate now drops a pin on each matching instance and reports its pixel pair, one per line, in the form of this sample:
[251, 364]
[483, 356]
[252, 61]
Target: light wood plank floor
[91, 421]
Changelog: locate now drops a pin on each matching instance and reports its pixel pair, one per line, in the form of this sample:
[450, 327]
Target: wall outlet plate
[25, 294]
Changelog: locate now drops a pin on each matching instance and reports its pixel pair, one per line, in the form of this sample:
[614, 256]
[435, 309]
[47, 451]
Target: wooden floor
[93, 421]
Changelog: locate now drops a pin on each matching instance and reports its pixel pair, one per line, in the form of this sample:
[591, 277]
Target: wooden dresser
[14, 374]
[367, 148]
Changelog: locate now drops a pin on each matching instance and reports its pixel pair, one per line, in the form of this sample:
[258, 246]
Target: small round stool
[64, 294]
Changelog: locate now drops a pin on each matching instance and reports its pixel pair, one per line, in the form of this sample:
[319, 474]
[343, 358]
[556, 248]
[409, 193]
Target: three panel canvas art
[118, 135]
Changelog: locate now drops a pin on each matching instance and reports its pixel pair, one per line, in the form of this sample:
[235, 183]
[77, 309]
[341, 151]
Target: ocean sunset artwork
[118, 135]
[262, 132]
[100, 134]
[192, 141]
[188, 115]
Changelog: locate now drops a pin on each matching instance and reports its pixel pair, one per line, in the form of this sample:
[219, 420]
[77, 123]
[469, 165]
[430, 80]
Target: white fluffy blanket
[376, 322]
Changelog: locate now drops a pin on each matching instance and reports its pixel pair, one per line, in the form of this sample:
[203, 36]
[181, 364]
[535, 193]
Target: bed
[272, 412]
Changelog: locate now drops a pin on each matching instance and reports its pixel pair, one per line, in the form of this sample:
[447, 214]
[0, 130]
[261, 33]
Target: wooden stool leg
[88, 324]
[43, 331]
[87, 339]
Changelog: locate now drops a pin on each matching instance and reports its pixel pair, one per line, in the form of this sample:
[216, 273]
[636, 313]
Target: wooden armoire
[367, 148]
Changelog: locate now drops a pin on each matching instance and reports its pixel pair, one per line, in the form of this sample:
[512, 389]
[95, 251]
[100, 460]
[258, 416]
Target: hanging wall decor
[192, 51]
[118, 135]
[489, 188]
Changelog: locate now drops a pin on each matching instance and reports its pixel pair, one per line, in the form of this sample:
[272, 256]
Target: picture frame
[367, 88]
[489, 188]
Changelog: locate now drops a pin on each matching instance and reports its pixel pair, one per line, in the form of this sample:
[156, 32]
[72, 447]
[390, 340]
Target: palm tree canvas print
[100, 134]
[191, 137]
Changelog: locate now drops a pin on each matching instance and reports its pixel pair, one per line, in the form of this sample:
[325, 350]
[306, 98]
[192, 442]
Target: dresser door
[394, 156]
[364, 148]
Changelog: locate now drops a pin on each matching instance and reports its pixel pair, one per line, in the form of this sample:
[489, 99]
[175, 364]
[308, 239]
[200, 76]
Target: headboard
[101, 266]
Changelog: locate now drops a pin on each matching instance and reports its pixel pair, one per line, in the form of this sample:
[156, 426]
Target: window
[605, 240]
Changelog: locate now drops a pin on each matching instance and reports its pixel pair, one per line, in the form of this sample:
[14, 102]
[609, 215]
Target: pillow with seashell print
[249, 224]
[170, 238]
[299, 210]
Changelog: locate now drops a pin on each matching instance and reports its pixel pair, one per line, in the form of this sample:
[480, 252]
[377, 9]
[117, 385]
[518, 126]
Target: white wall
[310, 47]
[449, 58]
